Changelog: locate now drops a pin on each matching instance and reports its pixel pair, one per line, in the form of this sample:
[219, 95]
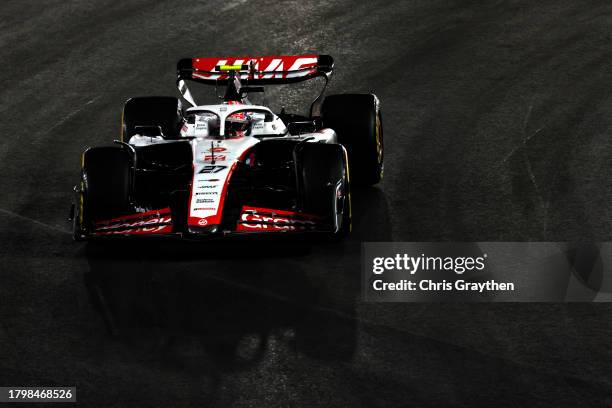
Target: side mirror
[148, 131]
[298, 128]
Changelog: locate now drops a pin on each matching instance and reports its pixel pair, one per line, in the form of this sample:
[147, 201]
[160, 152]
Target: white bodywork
[215, 154]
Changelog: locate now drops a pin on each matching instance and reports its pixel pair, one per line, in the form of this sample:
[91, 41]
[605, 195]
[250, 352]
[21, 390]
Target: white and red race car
[232, 167]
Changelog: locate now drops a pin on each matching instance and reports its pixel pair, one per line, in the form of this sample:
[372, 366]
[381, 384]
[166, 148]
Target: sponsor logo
[257, 222]
[145, 225]
[217, 150]
[203, 221]
[216, 157]
[284, 67]
[204, 209]
[207, 193]
[204, 200]
[141, 230]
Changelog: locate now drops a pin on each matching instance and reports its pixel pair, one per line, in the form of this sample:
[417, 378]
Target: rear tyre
[105, 184]
[162, 111]
[324, 183]
[357, 120]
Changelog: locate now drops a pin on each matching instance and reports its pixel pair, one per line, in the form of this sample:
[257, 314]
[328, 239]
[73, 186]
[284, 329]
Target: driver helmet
[237, 125]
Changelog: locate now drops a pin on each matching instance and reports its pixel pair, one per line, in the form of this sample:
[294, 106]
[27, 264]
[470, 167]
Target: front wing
[252, 220]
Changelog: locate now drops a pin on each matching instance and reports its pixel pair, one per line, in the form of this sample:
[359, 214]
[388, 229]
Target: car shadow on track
[223, 305]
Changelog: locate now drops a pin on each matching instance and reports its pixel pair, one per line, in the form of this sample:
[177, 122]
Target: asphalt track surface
[497, 122]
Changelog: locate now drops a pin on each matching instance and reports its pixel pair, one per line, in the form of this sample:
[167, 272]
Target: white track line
[71, 114]
[32, 220]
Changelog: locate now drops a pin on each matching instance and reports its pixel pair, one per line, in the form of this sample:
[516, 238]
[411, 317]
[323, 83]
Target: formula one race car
[233, 167]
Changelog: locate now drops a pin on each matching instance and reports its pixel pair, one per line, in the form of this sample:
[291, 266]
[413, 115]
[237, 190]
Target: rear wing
[255, 70]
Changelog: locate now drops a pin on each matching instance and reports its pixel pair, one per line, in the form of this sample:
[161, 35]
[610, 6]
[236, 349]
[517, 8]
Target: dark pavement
[497, 121]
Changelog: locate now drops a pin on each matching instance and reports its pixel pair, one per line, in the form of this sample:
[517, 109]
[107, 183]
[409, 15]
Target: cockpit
[227, 121]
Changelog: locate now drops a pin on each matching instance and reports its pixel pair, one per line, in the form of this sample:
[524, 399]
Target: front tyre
[105, 186]
[324, 184]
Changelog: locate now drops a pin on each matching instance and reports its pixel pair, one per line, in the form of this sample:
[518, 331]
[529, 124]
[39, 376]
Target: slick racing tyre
[325, 187]
[105, 184]
[357, 121]
[162, 111]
